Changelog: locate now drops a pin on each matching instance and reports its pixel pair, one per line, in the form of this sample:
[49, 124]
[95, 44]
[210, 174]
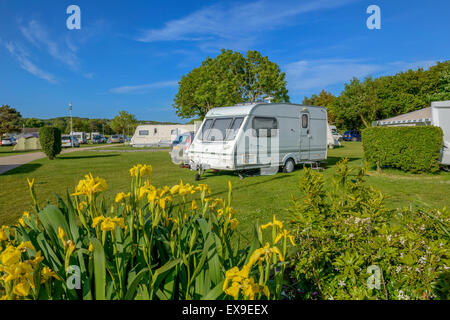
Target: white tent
[30, 143]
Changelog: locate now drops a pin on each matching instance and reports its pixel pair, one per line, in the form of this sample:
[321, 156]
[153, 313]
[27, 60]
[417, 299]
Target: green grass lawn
[6, 151]
[129, 147]
[255, 198]
[9, 151]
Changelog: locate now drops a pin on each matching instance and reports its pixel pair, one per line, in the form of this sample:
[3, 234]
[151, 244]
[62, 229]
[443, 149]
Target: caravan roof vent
[269, 99]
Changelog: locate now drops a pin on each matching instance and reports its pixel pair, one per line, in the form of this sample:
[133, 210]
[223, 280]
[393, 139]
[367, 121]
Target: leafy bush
[351, 246]
[414, 149]
[50, 139]
[151, 243]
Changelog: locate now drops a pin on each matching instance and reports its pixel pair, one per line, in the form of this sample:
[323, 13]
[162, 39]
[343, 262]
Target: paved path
[11, 162]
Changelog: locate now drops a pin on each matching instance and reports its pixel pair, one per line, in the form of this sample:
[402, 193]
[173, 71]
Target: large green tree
[124, 123]
[10, 120]
[60, 124]
[228, 79]
[324, 99]
[34, 123]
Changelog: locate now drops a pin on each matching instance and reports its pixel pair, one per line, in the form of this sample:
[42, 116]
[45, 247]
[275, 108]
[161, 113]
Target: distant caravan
[263, 136]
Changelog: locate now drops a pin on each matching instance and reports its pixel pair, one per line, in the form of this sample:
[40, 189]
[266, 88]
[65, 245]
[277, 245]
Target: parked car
[98, 139]
[116, 138]
[352, 135]
[180, 147]
[7, 142]
[68, 140]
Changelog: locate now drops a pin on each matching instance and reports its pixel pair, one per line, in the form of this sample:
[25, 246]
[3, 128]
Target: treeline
[362, 102]
[124, 123]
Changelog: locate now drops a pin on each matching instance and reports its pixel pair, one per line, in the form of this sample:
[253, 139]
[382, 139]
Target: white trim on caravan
[260, 135]
[440, 115]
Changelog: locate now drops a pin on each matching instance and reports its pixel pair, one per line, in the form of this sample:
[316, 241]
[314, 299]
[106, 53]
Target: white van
[440, 115]
[260, 135]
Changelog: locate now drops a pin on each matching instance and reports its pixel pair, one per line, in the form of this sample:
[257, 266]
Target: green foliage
[34, 123]
[124, 123]
[346, 234]
[151, 243]
[324, 99]
[9, 120]
[50, 139]
[228, 79]
[370, 99]
[414, 149]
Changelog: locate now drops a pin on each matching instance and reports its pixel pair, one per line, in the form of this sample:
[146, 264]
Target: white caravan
[260, 135]
[440, 115]
[332, 137]
[159, 135]
[81, 136]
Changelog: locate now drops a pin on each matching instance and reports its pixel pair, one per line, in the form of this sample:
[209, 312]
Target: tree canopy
[364, 101]
[9, 120]
[124, 122]
[228, 79]
[324, 99]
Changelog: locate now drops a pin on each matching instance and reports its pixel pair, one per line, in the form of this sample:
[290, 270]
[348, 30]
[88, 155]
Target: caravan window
[232, 132]
[143, 132]
[205, 129]
[218, 130]
[305, 121]
[262, 127]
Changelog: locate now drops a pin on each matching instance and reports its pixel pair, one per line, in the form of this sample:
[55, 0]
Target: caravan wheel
[289, 166]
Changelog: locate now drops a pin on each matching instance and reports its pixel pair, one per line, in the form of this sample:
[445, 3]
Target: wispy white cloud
[144, 87]
[38, 35]
[25, 62]
[311, 76]
[237, 24]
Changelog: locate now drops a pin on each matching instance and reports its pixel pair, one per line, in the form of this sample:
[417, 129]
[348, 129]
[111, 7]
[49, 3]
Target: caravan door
[305, 135]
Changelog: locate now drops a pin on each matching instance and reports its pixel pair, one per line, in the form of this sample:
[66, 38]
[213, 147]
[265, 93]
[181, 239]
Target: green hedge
[413, 149]
[50, 139]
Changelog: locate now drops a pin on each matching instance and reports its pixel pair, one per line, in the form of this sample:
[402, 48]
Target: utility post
[71, 130]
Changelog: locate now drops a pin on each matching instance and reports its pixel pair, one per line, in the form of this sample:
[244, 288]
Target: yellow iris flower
[90, 185]
[22, 221]
[285, 234]
[121, 196]
[144, 170]
[10, 256]
[274, 223]
[3, 236]
[48, 273]
[108, 224]
[22, 288]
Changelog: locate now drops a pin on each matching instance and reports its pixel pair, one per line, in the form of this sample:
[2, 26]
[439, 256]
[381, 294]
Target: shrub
[351, 246]
[151, 243]
[50, 139]
[414, 149]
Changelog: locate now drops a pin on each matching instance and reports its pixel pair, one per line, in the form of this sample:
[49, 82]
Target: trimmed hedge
[413, 149]
[50, 139]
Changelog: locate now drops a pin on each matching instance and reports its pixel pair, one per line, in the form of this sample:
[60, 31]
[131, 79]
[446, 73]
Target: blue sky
[129, 55]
